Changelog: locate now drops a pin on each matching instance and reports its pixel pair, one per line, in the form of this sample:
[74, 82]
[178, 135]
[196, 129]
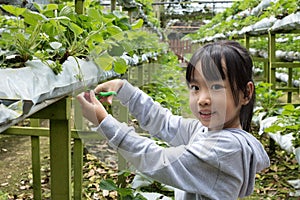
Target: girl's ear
[248, 94]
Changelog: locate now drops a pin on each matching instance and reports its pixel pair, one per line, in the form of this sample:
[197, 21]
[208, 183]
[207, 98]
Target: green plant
[288, 122]
[168, 86]
[56, 32]
[267, 98]
[123, 193]
[3, 196]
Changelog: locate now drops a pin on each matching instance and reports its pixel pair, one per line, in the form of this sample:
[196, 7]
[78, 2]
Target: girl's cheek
[193, 104]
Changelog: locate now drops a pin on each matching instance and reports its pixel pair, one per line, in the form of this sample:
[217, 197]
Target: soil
[15, 163]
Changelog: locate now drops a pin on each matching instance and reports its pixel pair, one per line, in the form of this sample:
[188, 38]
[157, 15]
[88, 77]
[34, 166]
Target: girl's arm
[159, 121]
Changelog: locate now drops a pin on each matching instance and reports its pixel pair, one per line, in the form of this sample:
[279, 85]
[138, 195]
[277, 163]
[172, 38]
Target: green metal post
[60, 150]
[121, 113]
[36, 162]
[78, 154]
[247, 41]
[271, 73]
[79, 6]
[272, 58]
[150, 69]
[78, 164]
[113, 5]
[140, 80]
[290, 84]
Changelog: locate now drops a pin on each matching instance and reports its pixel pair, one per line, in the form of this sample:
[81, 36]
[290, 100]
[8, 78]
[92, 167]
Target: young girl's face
[212, 102]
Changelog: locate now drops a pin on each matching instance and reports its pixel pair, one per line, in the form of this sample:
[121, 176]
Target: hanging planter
[22, 88]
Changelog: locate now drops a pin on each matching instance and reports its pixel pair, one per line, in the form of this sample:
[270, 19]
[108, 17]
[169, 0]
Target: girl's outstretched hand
[109, 86]
[92, 109]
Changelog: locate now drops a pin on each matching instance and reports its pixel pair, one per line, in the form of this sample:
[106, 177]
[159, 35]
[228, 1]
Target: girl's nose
[204, 98]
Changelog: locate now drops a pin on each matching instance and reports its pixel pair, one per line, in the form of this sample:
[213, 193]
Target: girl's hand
[113, 85]
[92, 109]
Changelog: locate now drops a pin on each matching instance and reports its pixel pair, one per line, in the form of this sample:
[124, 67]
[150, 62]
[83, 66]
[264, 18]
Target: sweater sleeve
[155, 119]
[195, 168]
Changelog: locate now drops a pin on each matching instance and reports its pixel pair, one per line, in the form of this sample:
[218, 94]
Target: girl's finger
[93, 98]
[110, 99]
[80, 98]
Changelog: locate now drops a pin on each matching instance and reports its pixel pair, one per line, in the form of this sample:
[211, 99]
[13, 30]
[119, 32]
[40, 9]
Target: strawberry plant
[287, 122]
[56, 32]
[266, 98]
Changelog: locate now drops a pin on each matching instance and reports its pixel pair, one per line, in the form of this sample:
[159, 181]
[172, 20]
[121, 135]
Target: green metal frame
[272, 63]
[60, 135]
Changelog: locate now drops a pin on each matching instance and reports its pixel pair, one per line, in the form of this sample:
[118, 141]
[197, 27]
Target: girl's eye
[194, 87]
[217, 87]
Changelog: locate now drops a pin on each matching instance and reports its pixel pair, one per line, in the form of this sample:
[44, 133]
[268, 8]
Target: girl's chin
[211, 126]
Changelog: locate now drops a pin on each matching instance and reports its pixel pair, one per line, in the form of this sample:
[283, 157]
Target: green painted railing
[271, 64]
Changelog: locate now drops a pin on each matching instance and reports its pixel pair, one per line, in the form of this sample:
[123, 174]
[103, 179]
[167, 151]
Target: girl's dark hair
[223, 59]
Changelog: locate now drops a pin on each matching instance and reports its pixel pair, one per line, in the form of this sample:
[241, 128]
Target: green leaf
[114, 30]
[51, 7]
[66, 11]
[116, 50]
[120, 15]
[125, 192]
[38, 7]
[32, 18]
[137, 24]
[75, 28]
[14, 10]
[123, 24]
[288, 109]
[94, 14]
[120, 66]
[108, 185]
[274, 129]
[62, 18]
[293, 127]
[104, 61]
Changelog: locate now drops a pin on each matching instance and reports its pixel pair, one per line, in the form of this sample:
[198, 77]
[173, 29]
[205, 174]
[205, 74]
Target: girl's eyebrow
[193, 81]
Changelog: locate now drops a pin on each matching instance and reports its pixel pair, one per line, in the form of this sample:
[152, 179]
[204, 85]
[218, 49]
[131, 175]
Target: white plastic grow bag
[288, 23]
[36, 82]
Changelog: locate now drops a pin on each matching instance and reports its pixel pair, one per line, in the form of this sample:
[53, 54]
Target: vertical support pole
[121, 113]
[272, 58]
[140, 81]
[266, 71]
[271, 73]
[247, 41]
[78, 164]
[78, 154]
[36, 162]
[60, 150]
[122, 163]
[290, 84]
[79, 6]
[112, 5]
[150, 72]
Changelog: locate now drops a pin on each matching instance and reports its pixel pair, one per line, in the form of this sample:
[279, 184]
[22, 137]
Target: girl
[211, 157]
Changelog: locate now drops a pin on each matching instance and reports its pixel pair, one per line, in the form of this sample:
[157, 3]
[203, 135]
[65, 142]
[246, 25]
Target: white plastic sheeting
[36, 82]
[284, 141]
[288, 23]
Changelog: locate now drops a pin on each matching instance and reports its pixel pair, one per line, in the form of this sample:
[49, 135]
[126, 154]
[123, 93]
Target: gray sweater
[200, 164]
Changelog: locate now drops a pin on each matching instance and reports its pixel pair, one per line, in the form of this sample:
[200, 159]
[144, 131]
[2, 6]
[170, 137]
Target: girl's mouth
[206, 114]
